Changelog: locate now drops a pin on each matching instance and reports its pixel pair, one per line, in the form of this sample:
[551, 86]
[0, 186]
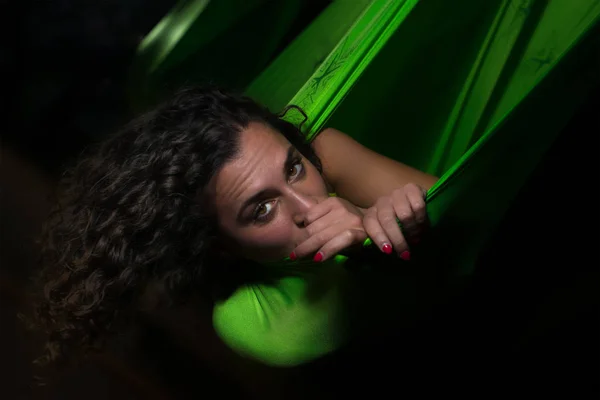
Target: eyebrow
[291, 154]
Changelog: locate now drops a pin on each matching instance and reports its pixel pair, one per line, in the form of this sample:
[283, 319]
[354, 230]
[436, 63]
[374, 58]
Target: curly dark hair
[130, 213]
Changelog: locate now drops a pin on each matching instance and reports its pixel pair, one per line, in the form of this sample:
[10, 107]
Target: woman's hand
[407, 205]
[333, 225]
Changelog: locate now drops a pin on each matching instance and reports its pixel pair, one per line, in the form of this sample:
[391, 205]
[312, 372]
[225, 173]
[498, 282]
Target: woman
[208, 193]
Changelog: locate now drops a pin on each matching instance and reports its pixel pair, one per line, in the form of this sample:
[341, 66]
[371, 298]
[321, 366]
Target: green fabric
[475, 93]
[445, 78]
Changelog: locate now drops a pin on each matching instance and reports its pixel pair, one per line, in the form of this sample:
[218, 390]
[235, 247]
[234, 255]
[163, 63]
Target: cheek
[269, 242]
[315, 182]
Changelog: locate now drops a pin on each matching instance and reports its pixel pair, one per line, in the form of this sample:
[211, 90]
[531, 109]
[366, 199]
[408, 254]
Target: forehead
[257, 136]
[262, 152]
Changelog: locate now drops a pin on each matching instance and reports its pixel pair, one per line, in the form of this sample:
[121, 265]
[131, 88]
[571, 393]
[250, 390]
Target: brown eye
[295, 170]
[263, 211]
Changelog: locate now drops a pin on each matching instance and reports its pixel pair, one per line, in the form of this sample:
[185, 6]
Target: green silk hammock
[474, 93]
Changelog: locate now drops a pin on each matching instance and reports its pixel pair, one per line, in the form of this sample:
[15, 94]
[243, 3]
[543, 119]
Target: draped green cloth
[472, 91]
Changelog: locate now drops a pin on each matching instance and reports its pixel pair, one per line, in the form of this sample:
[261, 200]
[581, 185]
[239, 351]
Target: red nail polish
[405, 255]
[387, 248]
[318, 257]
[293, 256]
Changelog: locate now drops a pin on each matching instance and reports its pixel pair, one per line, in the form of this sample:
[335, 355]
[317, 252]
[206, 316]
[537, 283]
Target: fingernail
[405, 255]
[318, 257]
[293, 256]
[387, 248]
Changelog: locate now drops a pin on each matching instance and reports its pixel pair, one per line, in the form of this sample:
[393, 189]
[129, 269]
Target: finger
[387, 219]
[403, 210]
[376, 232]
[333, 217]
[320, 224]
[416, 198]
[339, 242]
[319, 210]
[316, 241]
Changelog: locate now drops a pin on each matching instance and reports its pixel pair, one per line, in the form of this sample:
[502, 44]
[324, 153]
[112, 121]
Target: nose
[301, 203]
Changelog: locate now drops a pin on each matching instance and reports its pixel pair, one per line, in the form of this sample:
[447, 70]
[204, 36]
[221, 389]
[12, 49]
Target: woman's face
[262, 195]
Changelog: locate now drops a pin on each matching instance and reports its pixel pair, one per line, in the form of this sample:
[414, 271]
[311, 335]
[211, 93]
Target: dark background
[528, 325]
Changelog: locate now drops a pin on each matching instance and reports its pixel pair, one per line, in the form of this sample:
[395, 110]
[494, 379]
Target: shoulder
[238, 322]
[338, 152]
[330, 139]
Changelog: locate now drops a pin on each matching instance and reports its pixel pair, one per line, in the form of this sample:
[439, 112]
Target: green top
[311, 309]
[296, 319]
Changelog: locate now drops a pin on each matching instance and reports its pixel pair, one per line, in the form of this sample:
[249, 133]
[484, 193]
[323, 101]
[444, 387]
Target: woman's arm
[361, 175]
